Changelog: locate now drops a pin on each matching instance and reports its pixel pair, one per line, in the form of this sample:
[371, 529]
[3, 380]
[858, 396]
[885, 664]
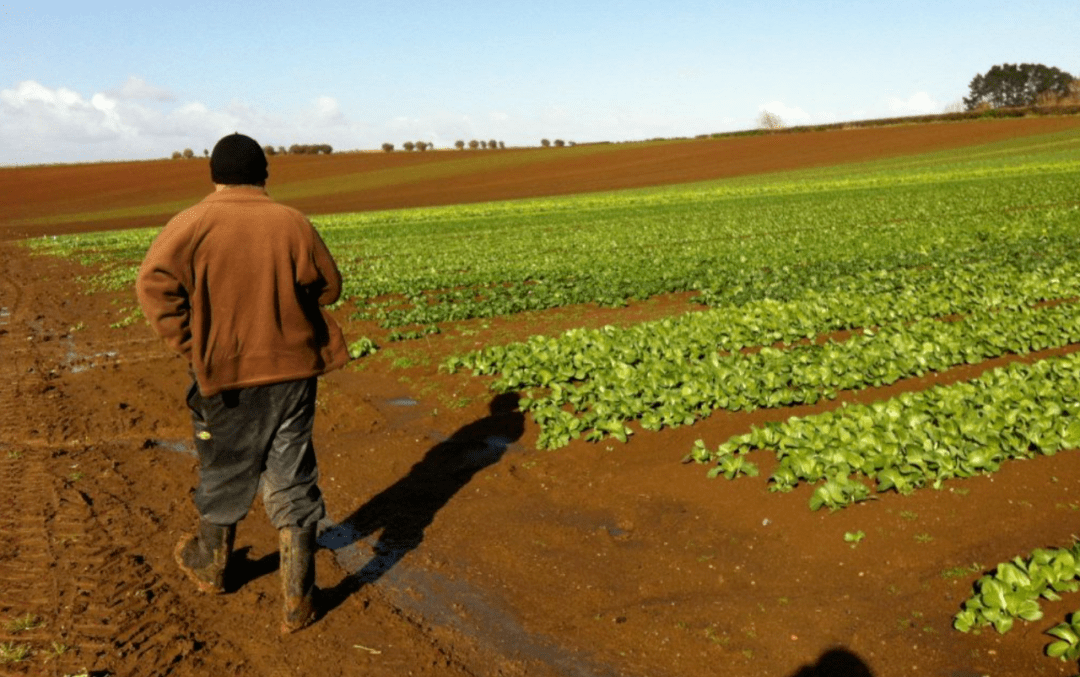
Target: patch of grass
[962, 572]
[23, 623]
[56, 650]
[10, 652]
[402, 363]
[924, 538]
[719, 640]
[909, 515]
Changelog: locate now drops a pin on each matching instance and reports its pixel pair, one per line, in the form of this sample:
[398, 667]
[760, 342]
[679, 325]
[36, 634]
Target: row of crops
[816, 282]
[732, 242]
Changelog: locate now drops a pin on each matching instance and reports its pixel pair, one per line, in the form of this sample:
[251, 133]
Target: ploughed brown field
[593, 560]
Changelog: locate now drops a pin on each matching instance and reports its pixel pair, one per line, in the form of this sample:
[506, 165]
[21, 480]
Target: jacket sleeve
[161, 290]
[327, 269]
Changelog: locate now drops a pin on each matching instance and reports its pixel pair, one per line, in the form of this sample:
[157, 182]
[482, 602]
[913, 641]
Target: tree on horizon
[1011, 85]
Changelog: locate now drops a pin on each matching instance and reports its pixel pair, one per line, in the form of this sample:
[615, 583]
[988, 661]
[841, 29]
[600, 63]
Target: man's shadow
[404, 510]
[838, 662]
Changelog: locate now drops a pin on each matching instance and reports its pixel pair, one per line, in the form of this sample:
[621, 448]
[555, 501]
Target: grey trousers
[251, 433]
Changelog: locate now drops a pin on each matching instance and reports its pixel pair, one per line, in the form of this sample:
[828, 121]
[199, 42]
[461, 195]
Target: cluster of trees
[475, 144]
[482, 145]
[491, 144]
[410, 146]
[1027, 84]
[295, 149]
[299, 149]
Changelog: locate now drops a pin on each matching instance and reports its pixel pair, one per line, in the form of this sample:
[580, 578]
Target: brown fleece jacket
[235, 284]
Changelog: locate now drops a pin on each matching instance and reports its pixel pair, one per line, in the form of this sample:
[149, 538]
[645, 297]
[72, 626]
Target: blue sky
[126, 80]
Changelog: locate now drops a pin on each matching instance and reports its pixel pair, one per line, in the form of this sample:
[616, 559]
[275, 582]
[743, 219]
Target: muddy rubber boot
[297, 549]
[203, 555]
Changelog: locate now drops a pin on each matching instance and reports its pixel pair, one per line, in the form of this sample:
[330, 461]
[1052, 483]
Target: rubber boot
[297, 549]
[203, 555]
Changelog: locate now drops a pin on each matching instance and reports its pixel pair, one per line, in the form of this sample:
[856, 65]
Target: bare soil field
[455, 547]
[55, 199]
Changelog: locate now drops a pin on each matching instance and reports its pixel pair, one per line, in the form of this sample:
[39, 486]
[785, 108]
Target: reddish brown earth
[597, 559]
[366, 181]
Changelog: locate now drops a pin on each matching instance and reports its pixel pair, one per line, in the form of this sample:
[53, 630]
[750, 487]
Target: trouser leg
[231, 437]
[262, 431]
[291, 492]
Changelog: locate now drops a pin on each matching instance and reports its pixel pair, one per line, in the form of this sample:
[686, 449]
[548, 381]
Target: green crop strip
[920, 439]
[671, 372]
[666, 392]
[1013, 589]
[733, 241]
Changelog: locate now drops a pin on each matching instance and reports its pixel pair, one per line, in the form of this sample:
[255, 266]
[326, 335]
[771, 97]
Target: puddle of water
[179, 446]
[78, 368]
[438, 599]
[78, 363]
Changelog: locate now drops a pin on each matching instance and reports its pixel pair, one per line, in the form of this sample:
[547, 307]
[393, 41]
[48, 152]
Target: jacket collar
[238, 193]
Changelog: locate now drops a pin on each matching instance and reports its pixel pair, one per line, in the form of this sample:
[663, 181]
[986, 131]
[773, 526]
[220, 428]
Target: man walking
[235, 285]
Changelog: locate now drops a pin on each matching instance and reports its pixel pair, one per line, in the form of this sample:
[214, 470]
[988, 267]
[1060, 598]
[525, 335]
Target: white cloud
[39, 124]
[137, 88]
[917, 104]
[328, 111]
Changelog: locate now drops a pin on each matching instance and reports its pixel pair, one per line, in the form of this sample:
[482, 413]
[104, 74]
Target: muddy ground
[455, 547]
[459, 549]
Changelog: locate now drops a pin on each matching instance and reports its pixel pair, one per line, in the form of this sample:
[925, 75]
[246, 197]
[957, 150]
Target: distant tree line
[410, 146]
[491, 144]
[295, 149]
[474, 144]
[300, 149]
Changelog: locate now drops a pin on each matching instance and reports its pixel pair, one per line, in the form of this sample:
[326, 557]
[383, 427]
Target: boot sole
[203, 586]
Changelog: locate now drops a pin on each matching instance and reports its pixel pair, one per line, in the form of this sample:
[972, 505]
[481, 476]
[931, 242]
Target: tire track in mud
[85, 586]
[11, 316]
[74, 588]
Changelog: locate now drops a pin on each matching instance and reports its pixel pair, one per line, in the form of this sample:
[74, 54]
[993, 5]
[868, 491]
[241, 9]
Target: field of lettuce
[802, 285]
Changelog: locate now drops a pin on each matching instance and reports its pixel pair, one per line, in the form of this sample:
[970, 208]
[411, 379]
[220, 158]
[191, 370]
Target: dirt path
[458, 549]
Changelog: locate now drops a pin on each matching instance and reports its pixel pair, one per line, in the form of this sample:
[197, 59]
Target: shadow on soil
[404, 510]
[836, 663]
[243, 570]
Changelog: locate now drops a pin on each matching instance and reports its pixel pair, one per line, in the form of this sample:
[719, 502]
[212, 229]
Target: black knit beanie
[238, 160]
